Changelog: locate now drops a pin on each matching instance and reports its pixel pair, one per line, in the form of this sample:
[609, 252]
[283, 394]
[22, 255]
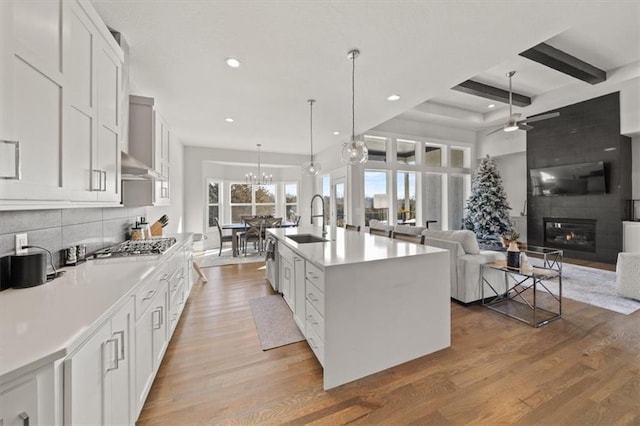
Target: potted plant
[507, 238]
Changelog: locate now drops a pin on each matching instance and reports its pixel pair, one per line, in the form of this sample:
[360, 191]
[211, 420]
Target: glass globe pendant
[354, 151]
[311, 168]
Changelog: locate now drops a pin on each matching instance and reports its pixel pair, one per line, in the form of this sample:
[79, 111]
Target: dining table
[240, 226]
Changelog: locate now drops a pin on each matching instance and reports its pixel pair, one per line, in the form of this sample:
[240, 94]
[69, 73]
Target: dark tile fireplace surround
[585, 226]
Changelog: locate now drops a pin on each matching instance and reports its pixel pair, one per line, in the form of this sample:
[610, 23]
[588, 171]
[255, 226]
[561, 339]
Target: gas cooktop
[152, 246]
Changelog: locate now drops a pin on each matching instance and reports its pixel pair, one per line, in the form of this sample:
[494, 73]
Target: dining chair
[381, 232]
[352, 227]
[223, 237]
[297, 221]
[412, 238]
[270, 222]
[252, 232]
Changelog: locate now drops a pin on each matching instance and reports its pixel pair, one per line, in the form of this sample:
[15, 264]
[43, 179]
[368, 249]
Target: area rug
[594, 287]
[274, 322]
[208, 258]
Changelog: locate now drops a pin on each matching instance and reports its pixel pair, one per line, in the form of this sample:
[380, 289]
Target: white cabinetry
[151, 333]
[29, 399]
[31, 101]
[149, 142]
[98, 380]
[299, 291]
[59, 115]
[314, 315]
[287, 276]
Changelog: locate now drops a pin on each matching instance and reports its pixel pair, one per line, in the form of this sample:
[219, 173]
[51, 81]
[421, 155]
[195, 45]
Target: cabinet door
[120, 411]
[19, 405]
[299, 295]
[108, 149]
[31, 101]
[287, 278]
[144, 356]
[160, 327]
[86, 373]
[80, 111]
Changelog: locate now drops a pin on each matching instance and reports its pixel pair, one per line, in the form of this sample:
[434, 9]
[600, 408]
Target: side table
[526, 297]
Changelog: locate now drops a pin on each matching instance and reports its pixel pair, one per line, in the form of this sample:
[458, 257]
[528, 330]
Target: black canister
[28, 270]
[513, 256]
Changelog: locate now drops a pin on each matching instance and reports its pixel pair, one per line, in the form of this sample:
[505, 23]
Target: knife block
[156, 229]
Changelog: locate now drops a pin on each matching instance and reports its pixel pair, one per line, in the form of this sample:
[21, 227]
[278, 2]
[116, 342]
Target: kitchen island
[364, 303]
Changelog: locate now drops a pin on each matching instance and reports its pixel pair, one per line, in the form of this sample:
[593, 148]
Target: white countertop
[41, 324]
[348, 247]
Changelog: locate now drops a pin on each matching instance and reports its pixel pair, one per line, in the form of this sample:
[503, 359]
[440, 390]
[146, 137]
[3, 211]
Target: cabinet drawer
[316, 343]
[315, 297]
[315, 320]
[316, 276]
[176, 280]
[148, 291]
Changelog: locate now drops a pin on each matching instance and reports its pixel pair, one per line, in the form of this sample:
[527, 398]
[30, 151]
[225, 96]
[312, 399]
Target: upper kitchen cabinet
[149, 143]
[61, 119]
[31, 110]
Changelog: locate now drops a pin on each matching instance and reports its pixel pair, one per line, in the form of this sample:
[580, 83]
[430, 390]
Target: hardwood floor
[582, 369]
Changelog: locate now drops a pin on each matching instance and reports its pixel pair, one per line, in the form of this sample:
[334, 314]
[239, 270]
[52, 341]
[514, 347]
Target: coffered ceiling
[291, 51]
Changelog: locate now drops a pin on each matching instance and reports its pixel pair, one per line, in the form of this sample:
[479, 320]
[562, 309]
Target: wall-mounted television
[571, 179]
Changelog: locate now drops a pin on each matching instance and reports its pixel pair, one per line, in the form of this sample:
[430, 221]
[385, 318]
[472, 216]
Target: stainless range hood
[132, 169]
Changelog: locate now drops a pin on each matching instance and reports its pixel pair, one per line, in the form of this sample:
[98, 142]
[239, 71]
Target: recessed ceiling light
[491, 106]
[232, 62]
[393, 98]
[336, 133]
[229, 120]
[609, 149]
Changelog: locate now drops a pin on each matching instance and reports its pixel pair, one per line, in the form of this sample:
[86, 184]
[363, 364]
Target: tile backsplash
[57, 229]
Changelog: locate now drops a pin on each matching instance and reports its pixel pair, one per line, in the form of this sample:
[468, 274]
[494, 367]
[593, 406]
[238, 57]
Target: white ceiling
[295, 50]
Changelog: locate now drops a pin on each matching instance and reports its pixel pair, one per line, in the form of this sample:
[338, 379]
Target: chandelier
[355, 151]
[259, 178]
[311, 168]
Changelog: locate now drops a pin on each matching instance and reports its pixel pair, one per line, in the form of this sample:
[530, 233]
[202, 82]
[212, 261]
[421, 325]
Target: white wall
[175, 211]
[513, 171]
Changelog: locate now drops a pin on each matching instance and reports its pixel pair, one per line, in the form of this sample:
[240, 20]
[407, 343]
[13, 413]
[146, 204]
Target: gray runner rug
[274, 322]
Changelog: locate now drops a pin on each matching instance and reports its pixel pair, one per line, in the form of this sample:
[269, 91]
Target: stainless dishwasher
[272, 260]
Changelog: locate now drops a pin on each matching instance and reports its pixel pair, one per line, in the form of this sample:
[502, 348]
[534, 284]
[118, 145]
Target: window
[326, 195]
[433, 155]
[376, 199]
[406, 194]
[458, 192]
[240, 201]
[339, 188]
[265, 200]
[406, 152]
[433, 192]
[290, 201]
[460, 157]
[377, 147]
[213, 201]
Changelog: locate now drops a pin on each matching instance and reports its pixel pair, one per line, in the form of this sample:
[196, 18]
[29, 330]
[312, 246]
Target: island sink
[306, 238]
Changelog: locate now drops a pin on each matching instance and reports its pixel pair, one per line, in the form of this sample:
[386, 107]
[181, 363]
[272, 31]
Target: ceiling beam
[494, 93]
[565, 63]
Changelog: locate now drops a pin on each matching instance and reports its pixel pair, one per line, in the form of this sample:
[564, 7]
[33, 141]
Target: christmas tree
[487, 211]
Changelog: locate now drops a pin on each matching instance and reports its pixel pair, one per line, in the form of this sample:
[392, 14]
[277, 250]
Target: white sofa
[466, 259]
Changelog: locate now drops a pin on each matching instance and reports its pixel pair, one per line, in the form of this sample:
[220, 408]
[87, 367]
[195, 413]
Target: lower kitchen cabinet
[29, 399]
[151, 342]
[299, 292]
[97, 375]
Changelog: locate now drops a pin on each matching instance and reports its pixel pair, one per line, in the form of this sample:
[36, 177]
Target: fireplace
[571, 234]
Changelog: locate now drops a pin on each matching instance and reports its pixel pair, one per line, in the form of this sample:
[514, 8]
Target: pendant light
[260, 178]
[311, 168]
[355, 151]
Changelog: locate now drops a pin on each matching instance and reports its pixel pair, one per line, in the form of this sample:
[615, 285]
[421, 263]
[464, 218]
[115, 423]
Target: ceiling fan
[513, 123]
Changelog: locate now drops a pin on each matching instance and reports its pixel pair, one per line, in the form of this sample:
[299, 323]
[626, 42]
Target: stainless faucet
[324, 219]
